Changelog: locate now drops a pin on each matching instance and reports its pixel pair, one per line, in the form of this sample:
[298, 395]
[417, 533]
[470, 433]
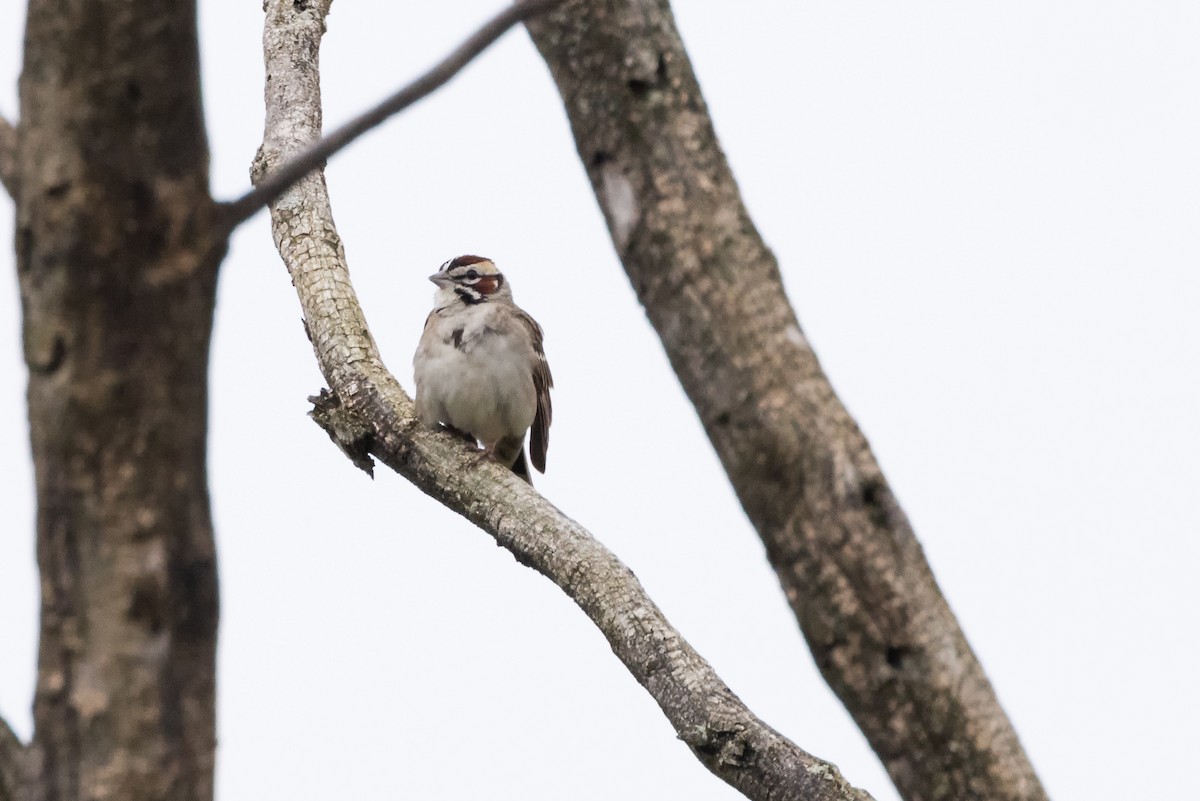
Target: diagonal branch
[726, 737]
[856, 578]
[313, 156]
[8, 156]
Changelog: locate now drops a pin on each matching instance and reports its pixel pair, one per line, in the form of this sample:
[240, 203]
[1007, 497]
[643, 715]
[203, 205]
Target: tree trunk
[852, 570]
[117, 272]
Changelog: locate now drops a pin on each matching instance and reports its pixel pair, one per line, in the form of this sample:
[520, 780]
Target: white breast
[473, 371]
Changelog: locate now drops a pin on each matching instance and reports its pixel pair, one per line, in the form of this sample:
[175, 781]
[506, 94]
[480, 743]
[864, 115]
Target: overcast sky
[986, 216]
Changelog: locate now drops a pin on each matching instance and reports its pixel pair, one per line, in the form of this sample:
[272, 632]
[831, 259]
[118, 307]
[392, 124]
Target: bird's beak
[440, 280]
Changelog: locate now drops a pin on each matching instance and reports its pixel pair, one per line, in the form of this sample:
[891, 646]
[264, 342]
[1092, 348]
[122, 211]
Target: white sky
[986, 216]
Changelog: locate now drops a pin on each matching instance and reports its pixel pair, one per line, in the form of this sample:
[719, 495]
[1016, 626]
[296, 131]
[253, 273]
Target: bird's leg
[487, 452]
[460, 434]
[504, 450]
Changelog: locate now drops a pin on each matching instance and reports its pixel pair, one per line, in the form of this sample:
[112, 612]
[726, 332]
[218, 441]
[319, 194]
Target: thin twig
[277, 182]
[8, 156]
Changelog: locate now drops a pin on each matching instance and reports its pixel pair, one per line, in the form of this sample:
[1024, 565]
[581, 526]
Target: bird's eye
[472, 274]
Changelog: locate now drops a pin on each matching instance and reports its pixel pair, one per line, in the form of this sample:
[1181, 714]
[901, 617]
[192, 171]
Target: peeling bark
[852, 570]
[117, 268]
[373, 413]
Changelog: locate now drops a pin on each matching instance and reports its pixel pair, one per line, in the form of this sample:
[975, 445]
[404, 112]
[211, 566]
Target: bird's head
[471, 279]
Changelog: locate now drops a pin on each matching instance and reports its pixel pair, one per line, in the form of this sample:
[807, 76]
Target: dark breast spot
[456, 338]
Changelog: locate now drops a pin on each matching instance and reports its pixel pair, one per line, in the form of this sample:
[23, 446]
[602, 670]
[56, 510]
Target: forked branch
[725, 736]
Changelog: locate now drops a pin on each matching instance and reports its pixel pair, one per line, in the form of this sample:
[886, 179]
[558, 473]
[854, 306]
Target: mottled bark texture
[117, 269]
[371, 407]
[8, 156]
[13, 767]
[879, 628]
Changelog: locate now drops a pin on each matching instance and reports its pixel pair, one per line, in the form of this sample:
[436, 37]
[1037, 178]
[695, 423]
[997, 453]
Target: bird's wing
[539, 435]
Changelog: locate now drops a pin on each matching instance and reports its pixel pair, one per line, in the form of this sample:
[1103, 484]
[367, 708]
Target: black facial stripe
[472, 278]
[469, 296]
[467, 276]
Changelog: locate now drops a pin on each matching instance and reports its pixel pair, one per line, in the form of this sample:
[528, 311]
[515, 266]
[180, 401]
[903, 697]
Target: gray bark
[856, 578]
[117, 271]
[118, 244]
[8, 156]
[13, 767]
[369, 412]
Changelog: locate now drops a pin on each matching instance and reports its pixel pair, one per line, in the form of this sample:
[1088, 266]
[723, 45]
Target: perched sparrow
[480, 368]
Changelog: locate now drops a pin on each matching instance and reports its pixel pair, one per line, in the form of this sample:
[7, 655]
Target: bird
[480, 369]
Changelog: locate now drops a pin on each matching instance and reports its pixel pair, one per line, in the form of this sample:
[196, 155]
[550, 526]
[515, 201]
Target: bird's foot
[485, 454]
[460, 434]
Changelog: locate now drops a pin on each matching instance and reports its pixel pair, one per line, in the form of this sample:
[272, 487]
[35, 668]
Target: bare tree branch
[850, 565]
[313, 156]
[12, 763]
[722, 733]
[8, 156]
